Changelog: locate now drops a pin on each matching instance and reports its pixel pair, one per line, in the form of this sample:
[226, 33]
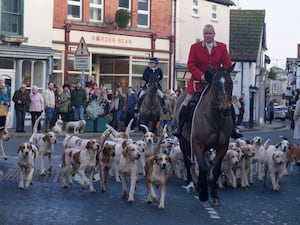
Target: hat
[23, 86]
[154, 60]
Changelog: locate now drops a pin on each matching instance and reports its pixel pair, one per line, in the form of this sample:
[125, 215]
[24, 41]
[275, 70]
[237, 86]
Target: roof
[247, 31]
[223, 2]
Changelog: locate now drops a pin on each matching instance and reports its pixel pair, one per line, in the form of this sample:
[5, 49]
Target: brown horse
[150, 108]
[210, 128]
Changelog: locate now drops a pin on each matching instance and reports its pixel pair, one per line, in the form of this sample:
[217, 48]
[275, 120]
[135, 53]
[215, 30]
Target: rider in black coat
[152, 74]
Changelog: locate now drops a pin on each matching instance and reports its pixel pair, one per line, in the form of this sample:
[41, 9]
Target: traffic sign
[82, 49]
[82, 56]
[82, 62]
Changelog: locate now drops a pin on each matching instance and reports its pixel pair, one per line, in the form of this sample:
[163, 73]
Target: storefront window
[33, 73]
[115, 65]
[38, 74]
[113, 82]
[26, 72]
[6, 64]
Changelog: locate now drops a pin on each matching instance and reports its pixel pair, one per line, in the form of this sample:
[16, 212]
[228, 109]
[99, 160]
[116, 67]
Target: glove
[208, 76]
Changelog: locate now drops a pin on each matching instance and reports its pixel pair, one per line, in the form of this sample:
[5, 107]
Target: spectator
[57, 91]
[296, 118]
[21, 99]
[236, 106]
[131, 101]
[7, 96]
[2, 83]
[270, 111]
[109, 95]
[4, 101]
[91, 83]
[118, 103]
[241, 111]
[49, 104]
[105, 104]
[166, 119]
[36, 105]
[65, 109]
[78, 101]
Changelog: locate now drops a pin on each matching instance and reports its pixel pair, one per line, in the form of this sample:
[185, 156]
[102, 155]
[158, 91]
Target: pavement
[265, 127]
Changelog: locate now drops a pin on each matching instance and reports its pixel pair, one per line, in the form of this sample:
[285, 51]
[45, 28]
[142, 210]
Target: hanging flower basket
[122, 18]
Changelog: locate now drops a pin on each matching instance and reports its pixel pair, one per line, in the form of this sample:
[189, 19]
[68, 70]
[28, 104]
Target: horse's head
[152, 86]
[222, 86]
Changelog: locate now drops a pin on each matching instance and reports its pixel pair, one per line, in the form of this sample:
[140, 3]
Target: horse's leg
[186, 150]
[220, 153]
[202, 180]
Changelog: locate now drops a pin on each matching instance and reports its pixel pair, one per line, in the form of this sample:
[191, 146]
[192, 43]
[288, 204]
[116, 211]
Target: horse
[150, 108]
[211, 127]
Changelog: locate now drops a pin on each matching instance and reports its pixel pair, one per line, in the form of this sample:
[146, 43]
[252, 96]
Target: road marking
[210, 210]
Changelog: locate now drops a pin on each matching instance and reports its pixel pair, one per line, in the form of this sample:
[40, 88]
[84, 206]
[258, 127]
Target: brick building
[118, 56]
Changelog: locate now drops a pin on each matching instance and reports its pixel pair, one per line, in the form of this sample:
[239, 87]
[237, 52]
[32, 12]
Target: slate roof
[247, 30]
[222, 2]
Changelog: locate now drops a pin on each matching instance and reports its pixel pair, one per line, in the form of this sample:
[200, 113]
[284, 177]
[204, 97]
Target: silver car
[280, 112]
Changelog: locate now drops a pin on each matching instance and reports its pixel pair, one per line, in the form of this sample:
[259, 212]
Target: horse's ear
[230, 69]
[211, 69]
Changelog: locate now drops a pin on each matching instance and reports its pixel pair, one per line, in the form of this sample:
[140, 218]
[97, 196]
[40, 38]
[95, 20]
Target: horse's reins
[201, 96]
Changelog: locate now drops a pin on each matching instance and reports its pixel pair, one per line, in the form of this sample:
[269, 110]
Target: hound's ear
[278, 145]
[155, 138]
[125, 151]
[124, 144]
[21, 147]
[152, 159]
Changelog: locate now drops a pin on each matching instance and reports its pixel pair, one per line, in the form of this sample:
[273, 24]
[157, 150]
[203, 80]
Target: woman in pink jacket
[36, 105]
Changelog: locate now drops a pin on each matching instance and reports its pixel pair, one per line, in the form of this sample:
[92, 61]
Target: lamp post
[252, 90]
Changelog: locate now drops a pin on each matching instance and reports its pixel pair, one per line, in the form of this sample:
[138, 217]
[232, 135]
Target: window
[214, 12]
[74, 9]
[96, 10]
[143, 13]
[195, 8]
[125, 4]
[11, 17]
[275, 89]
[6, 63]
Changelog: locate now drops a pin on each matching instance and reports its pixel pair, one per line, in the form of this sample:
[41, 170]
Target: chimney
[298, 51]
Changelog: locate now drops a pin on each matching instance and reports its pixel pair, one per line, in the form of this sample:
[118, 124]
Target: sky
[282, 25]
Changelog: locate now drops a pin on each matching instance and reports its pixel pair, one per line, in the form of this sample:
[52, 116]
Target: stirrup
[177, 132]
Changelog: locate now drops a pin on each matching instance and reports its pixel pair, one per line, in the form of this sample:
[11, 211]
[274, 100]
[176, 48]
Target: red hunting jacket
[199, 59]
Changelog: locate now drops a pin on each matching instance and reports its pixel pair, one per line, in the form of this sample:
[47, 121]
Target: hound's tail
[34, 130]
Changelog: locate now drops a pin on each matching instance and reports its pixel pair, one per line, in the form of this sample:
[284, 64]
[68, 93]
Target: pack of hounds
[116, 154]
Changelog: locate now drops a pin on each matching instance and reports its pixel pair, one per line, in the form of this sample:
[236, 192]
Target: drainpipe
[67, 42]
[174, 44]
[172, 51]
[153, 39]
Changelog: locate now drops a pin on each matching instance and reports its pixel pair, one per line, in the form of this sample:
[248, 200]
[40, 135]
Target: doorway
[9, 77]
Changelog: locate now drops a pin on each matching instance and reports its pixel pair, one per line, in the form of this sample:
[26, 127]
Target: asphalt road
[47, 203]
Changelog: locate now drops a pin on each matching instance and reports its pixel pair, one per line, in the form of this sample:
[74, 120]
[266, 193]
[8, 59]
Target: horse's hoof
[215, 202]
[203, 196]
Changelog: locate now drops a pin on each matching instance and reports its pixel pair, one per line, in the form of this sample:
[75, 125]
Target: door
[10, 80]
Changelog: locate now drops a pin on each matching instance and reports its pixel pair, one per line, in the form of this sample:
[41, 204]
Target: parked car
[281, 112]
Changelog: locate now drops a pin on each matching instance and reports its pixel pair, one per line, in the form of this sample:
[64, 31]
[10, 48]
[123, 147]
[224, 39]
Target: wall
[38, 22]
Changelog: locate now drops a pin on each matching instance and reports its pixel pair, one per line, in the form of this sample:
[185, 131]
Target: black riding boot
[182, 117]
[234, 134]
[138, 105]
[163, 106]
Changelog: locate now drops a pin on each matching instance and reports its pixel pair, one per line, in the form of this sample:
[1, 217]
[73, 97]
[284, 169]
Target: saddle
[192, 105]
